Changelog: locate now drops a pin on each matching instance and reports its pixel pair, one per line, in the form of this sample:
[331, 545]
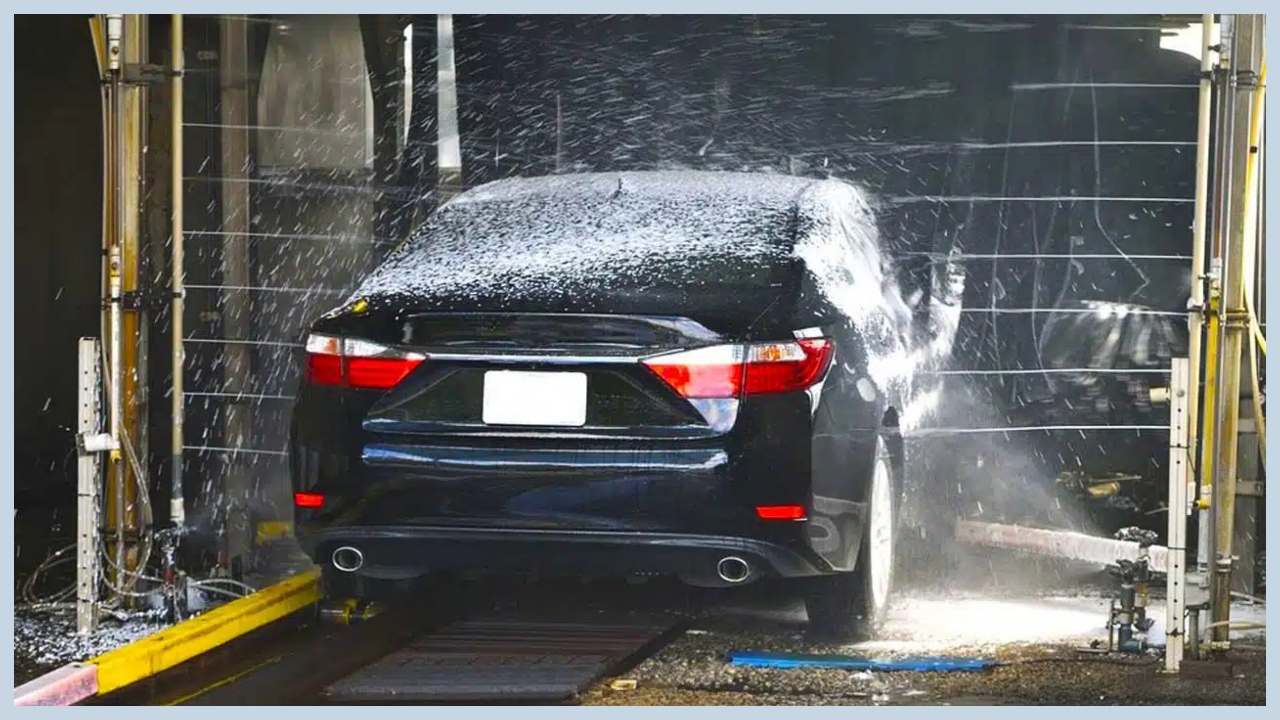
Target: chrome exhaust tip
[733, 569]
[348, 559]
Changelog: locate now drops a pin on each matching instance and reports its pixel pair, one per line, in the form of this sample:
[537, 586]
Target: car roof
[765, 191]
[580, 235]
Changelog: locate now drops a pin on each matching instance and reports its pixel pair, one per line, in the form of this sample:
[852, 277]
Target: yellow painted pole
[1245, 62]
[133, 390]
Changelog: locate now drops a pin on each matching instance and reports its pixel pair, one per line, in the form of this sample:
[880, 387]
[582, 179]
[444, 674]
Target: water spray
[173, 589]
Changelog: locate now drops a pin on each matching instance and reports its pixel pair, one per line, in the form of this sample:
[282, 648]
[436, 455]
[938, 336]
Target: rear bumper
[402, 552]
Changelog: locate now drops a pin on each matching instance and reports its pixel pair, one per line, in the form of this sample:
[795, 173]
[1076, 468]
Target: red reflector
[780, 512]
[379, 373]
[727, 371]
[311, 501]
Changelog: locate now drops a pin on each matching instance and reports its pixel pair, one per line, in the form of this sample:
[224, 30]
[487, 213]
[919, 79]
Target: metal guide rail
[146, 658]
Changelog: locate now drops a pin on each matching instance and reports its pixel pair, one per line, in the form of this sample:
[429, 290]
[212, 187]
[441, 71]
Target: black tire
[842, 607]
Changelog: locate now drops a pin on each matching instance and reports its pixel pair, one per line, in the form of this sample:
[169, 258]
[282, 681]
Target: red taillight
[310, 501]
[357, 363]
[379, 373]
[780, 512]
[711, 372]
[324, 369]
[726, 371]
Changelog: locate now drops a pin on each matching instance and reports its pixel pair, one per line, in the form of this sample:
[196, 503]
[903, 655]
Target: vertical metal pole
[1251, 444]
[1222, 176]
[1198, 239]
[87, 477]
[1260, 280]
[1234, 318]
[133, 366]
[1179, 508]
[115, 300]
[450, 152]
[177, 507]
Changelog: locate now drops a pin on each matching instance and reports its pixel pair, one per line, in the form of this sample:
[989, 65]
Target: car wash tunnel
[640, 360]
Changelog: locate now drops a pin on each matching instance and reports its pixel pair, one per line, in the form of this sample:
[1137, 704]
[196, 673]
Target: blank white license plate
[557, 399]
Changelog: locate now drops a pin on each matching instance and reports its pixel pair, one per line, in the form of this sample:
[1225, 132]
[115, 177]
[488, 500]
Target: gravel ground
[42, 642]
[692, 671]
[1046, 667]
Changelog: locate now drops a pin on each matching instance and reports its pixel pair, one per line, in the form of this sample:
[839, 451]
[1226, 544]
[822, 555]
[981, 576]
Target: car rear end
[657, 422]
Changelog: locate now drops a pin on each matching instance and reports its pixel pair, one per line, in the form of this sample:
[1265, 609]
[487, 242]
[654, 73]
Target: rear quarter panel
[847, 411]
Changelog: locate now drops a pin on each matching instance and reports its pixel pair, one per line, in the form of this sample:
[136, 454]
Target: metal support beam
[1234, 247]
[177, 506]
[1179, 510]
[1199, 235]
[121, 44]
[1245, 524]
[114, 291]
[88, 479]
[1208, 434]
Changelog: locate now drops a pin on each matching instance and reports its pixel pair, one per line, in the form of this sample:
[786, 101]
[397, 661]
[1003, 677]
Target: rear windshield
[533, 246]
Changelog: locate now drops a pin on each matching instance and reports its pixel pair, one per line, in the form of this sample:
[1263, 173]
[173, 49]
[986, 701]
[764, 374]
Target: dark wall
[57, 236]
[1050, 149]
[925, 112]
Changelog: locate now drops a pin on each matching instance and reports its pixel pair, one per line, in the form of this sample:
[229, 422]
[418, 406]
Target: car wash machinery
[1204, 392]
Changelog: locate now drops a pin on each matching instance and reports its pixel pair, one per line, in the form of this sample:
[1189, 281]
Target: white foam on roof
[559, 234]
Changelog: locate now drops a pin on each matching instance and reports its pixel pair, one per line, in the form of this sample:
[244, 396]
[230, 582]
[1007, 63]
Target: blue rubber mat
[847, 662]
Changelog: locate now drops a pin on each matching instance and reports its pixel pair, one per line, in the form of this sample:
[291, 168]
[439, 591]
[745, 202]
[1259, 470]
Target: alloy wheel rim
[880, 556]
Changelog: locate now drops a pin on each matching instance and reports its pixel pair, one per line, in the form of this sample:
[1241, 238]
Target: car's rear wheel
[852, 606]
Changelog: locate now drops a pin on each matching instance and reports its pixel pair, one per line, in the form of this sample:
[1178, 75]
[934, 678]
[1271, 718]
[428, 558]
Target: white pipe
[1178, 507]
[1238, 624]
[115, 32]
[1198, 235]
[115, 270]
[177, 509]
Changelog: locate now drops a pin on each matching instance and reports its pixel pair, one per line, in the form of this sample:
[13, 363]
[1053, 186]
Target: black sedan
[702, 375]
